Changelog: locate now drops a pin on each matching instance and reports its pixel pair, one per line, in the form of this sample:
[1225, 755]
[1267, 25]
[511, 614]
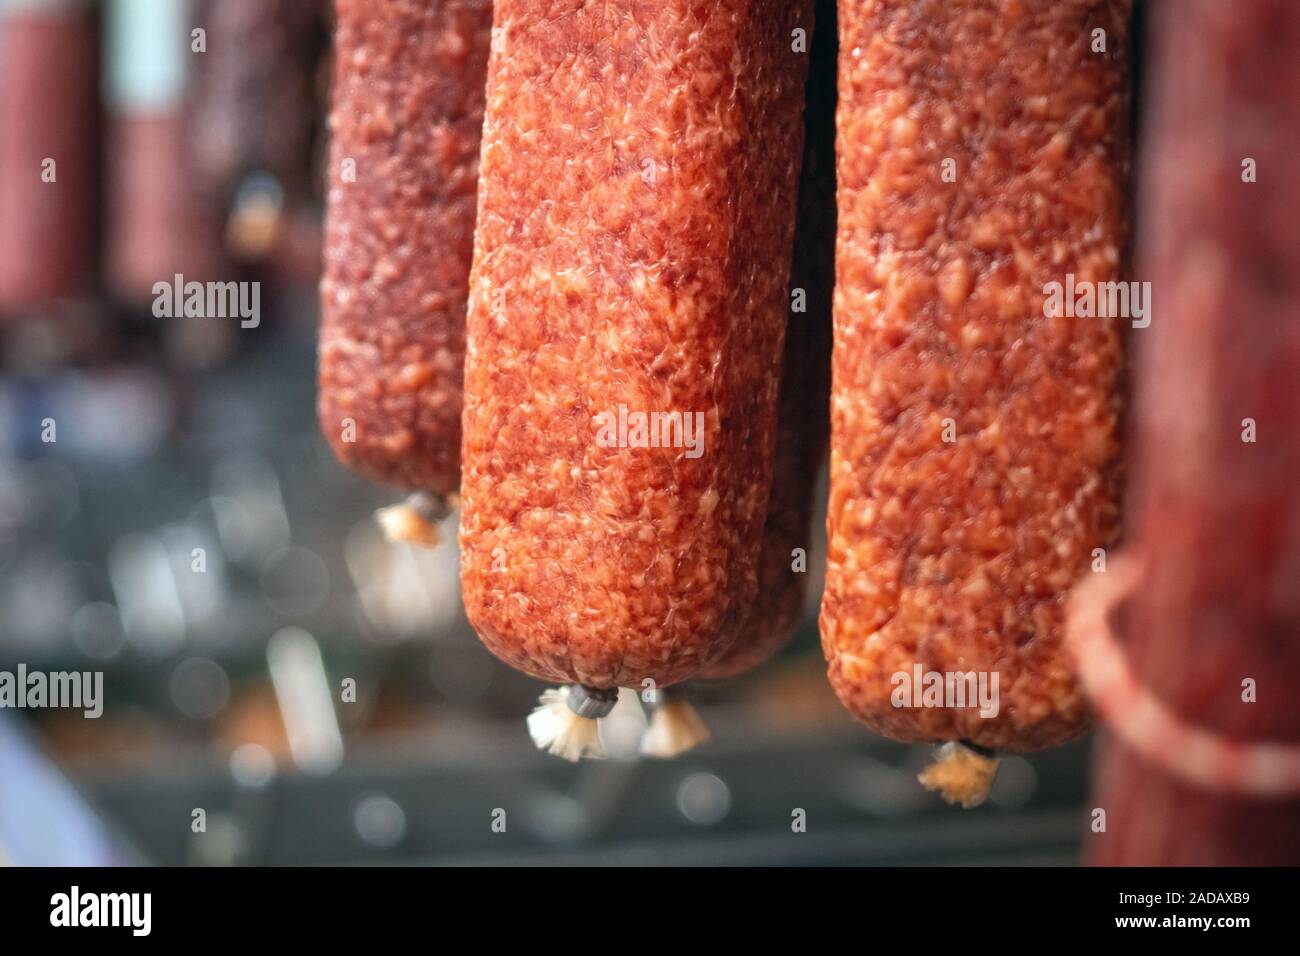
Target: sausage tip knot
[415, 520]
[674, 728]
[566, 721]
[961, 774]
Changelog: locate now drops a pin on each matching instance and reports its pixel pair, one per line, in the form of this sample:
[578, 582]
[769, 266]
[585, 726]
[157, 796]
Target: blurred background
[170, 516]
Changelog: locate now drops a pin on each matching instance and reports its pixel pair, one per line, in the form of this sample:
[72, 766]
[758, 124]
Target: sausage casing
[802, 409]
[1209, 630]
[407, 114]
[974, 441]
[636, 208]
[48, 109]
[158, 224]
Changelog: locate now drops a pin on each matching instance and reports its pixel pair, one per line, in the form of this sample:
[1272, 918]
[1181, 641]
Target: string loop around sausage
[1143, 722]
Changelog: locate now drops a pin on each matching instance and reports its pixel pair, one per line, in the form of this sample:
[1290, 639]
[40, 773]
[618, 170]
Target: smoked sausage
[982, 155]
[627, 309]
[48, 108]
[159, 225]
[802, 415]
[407, 116]
[803, 419]
[1189, 645]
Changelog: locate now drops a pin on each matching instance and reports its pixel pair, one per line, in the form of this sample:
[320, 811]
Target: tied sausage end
[961, 774]
[566, 721]
[675, 727]
[415, 520]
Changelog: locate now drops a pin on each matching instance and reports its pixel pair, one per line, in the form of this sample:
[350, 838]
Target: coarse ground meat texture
[636, 214]
[408, 111]
[1216, 520]
[958, 555]
[803, 421]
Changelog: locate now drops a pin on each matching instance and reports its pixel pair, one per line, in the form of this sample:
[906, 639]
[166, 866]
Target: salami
[627, 309]
[802, 416]
[802, 411]
[1188, 644]
[407, 116]
[158, 224]
[48, 94]
[252, 112]
[982, 155]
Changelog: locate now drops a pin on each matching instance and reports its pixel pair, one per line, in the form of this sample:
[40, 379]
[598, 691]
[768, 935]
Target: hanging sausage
[802, 412]
[627, 306]
[407, 115]
[158, 224]
[1189, 644]
[982, 156]
[48, 114]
